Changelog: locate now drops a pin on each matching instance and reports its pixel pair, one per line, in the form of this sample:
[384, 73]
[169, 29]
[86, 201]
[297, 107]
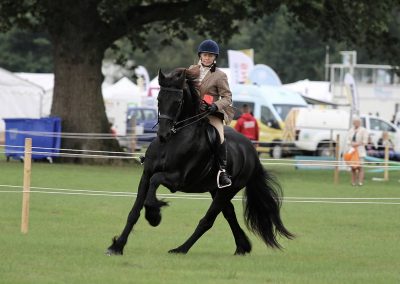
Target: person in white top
[357, 139]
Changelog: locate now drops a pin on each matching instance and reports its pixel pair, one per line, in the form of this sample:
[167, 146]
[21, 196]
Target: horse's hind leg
[118, 244]
[243, 244]
[206, 222]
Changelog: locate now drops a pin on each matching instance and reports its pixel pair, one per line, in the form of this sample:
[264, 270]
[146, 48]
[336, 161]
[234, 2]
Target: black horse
[182, 159]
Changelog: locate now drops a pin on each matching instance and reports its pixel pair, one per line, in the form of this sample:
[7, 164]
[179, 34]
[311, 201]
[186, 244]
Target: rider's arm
[224, 92]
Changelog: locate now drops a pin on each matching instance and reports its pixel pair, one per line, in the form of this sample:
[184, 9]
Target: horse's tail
[262, 204]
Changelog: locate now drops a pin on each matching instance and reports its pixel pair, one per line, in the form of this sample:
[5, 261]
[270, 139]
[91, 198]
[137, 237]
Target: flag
[352, 93]
[241, 62]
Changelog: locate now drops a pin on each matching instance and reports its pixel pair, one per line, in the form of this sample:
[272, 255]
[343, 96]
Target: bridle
[165, 116]
[175, 124]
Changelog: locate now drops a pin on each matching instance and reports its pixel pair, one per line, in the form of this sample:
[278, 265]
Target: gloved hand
[213, 108]
[210, 108]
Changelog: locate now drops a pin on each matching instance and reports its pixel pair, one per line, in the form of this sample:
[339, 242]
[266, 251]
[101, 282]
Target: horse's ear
[161, 76]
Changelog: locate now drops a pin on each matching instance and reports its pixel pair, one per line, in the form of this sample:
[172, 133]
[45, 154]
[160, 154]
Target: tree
[81, 31]
[279, 40]
[25, 51]
[373, 25]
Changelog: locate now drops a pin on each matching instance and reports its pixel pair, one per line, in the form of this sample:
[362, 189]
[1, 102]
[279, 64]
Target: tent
[46, 82]
[117, 99]
[317, 90]
[19, 98]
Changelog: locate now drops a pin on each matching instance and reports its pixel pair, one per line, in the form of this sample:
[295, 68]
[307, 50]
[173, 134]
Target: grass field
[336, 243]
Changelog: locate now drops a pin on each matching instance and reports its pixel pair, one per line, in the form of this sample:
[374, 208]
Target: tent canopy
[123, 90]
[44, 80]
[18, 98]
[318, 90]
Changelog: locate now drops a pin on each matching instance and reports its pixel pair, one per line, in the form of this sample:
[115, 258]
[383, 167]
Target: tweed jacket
[361, 137]
[215, 84]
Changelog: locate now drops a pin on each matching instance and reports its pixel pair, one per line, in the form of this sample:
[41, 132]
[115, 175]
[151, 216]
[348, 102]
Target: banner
[262, 74]
[241, 62]
[352, 94]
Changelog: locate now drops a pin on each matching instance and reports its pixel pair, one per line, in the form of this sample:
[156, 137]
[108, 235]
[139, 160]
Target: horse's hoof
[153, 216]
[240, 252]
[177, 251]
[110, 252]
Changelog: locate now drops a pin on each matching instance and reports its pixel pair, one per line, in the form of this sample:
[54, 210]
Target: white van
[315, 130]
[270, 106]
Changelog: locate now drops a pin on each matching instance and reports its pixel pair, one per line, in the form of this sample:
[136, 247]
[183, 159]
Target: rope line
[72, 150]
[202, 198]
[171, 195]
[134, 155]
[79, 135]
[69, 155]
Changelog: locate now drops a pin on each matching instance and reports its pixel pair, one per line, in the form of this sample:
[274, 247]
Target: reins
[174, 128]
[201, 115]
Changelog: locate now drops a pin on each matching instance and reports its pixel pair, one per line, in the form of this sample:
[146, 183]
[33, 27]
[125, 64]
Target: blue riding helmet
[208, 46]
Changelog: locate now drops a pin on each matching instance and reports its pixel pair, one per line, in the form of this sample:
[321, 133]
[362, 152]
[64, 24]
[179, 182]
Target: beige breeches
[218, 124]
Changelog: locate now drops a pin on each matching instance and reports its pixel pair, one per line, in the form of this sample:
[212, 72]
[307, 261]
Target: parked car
[145, 127]
[315, 130]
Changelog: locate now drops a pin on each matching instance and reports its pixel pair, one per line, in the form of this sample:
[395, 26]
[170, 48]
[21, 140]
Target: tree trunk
[77, 97]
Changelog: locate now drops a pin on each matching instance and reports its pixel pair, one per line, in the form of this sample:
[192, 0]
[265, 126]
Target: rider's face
[207, 58]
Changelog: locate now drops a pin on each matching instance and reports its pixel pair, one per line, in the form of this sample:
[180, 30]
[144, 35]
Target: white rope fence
[27, 189]
[78, 135]
[135, 155]
[105, 136]
[85, 192]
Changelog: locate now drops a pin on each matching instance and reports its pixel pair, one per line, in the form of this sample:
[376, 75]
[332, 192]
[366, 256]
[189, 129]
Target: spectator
[112, 129]
[357, 139]
[370, 147]
[247, 124]
[385, 141]
[382, 143]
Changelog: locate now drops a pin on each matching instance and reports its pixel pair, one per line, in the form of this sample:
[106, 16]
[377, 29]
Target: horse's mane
[192, 76]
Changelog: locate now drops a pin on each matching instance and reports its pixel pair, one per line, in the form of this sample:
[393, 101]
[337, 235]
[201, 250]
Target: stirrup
[219, 185]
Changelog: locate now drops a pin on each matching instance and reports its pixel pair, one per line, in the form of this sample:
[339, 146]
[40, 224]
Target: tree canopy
[81, 31]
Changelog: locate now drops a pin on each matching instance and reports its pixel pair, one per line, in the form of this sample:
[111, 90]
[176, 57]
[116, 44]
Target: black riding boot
[223, 179]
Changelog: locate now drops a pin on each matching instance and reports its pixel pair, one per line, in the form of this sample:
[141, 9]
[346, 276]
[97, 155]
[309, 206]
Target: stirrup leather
[218, 175]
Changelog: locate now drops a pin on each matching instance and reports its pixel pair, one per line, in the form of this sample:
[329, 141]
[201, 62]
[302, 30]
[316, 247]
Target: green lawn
[336, 243]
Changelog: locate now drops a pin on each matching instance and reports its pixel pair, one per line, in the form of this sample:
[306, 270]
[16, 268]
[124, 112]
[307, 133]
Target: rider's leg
[217, 123]
[223, 178]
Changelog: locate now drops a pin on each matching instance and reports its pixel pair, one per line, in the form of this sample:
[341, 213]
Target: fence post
[337, 158]
[27, 185]
[133, 134]
[386, 171]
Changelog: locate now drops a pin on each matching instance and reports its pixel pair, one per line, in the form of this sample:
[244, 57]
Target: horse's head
[170, 101]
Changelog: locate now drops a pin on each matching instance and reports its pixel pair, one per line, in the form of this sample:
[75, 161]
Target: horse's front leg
[152, 204]
[118, 244]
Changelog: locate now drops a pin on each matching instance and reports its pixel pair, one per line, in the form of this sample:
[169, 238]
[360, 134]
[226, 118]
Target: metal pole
[326, 63]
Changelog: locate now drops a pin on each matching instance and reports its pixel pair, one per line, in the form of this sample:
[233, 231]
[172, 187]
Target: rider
[217, 99]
